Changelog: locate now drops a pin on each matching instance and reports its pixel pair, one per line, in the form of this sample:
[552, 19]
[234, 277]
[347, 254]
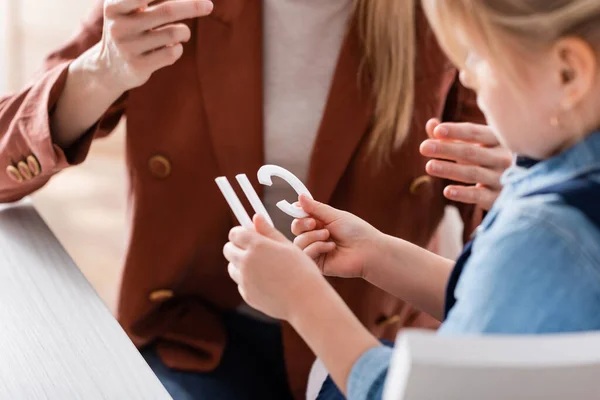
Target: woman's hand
[143, 36]
[272, 274]
[467, 153]
[139, 37]
[341, 244]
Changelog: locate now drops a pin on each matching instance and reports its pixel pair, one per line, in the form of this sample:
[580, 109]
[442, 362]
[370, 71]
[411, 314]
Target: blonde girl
[534, 265]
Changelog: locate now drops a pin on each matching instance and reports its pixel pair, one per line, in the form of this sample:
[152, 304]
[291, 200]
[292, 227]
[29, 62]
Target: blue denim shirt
[536, 269]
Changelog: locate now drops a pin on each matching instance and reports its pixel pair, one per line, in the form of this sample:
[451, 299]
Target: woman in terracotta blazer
[189, 79]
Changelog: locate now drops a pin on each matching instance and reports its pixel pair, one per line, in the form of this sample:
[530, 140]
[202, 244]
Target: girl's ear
[576, 69]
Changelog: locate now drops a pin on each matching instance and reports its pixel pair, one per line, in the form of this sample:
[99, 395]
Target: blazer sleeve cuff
[34, 125]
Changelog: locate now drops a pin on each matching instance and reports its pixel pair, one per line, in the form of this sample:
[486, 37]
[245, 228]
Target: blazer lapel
[229, 57]
[345, 121]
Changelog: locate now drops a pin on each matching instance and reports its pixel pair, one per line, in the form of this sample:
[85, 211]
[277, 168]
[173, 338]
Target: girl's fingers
[306, 239]
[300, 226]
[317, 249]
[233, 254]
[242, 237]
[234, 273]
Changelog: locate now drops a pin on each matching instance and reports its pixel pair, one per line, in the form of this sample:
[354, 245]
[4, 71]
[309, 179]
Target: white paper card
[527, 367]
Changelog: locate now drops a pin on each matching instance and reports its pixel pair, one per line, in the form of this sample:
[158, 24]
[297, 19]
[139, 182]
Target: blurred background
[84, 206]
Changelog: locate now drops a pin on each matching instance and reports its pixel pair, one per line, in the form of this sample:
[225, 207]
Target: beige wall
[85, 206]
[4, 40]
[34, 27]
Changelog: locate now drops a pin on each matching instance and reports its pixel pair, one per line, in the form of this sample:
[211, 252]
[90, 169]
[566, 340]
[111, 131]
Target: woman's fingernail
[208, 6]
[435, 167]
[430, 147]
[453, 192]
[441, 131]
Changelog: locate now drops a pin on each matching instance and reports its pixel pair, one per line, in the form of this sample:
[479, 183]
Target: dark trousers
[252, 366]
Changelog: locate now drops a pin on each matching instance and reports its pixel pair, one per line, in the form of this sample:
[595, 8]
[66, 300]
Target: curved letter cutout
[264, 177]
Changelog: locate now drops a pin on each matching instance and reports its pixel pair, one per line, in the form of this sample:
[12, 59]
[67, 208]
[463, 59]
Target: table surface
[57, 338]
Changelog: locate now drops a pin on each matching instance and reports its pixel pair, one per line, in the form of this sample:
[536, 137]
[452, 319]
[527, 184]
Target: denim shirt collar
[527, 175]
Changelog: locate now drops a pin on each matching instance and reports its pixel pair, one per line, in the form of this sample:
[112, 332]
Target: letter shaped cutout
[265, 173]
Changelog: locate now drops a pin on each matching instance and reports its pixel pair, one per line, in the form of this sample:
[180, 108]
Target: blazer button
[34, 165]
[387, 321]
[424, 180]
[14, 174]
[159, 166]
[158, 296]
[24, 170]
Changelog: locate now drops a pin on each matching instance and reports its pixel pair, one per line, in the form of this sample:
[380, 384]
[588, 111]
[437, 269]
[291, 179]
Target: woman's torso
[204, 117]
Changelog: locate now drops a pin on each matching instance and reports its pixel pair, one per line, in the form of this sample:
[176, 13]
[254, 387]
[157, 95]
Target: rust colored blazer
[202, 118]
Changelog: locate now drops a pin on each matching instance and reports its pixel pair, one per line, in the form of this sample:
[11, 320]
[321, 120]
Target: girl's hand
[272, 274]
[467, 153]
[341, 244]
[277, 278]
[143, 36]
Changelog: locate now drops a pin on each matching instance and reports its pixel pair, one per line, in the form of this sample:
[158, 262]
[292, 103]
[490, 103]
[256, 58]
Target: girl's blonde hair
[387, 29]
[525, 25]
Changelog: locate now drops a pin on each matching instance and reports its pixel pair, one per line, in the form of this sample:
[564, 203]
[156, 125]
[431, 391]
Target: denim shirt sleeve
[368, 374]
[536, 270]
[528, 274]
